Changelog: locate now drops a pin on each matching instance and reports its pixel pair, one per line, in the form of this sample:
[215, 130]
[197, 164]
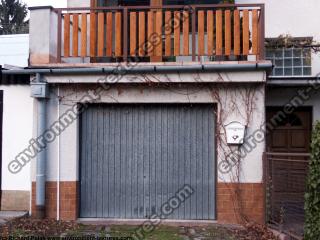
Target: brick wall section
[227, 211]
[68, 200]
[252, 195]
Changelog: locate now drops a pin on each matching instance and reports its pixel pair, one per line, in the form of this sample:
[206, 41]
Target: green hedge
[312, 196]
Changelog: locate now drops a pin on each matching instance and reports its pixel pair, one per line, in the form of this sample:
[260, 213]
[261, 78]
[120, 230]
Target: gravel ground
[27, 227]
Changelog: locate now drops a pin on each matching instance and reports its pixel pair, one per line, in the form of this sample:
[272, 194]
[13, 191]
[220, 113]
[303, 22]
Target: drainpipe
[58, 165]
[39, 90]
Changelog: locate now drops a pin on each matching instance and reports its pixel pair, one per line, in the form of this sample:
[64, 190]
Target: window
[291, 120]
[290, 61]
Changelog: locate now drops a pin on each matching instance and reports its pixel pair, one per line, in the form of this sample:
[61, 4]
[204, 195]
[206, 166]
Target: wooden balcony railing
[218, 32]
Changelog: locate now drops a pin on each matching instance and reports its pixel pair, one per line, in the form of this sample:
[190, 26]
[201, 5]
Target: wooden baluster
[66, 35]
[83, 35]
[200, 33]
[150, 45]
[185, 17]
[118, 34]
[227, 29]
[218, 32]
[176, 33]
[100, 34]
[133, 33]
[142, 33]
[245, 33]
[93, 34]
[75, 35]
[109, 34]
[168, 31]
[236, 30]
[210, 24]
[255, 37]
[158, 23]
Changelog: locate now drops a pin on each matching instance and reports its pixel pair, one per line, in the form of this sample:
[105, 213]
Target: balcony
[224, 32]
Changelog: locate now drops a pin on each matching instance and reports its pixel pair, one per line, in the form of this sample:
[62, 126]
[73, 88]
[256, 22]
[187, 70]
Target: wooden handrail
[251, 6]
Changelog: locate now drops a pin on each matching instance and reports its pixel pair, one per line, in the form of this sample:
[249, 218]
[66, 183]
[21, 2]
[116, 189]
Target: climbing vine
[287, 41]
[241, 103]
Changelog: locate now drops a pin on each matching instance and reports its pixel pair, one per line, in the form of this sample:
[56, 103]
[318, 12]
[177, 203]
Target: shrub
[312, 196]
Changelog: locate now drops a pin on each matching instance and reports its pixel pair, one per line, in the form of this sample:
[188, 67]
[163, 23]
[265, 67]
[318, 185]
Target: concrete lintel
[290, 82]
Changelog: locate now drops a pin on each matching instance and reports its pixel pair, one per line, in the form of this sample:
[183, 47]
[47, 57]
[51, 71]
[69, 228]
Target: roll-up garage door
[134, 158]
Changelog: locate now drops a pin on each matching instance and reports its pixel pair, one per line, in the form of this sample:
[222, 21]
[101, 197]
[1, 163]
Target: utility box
[235, 133]
[40, 90]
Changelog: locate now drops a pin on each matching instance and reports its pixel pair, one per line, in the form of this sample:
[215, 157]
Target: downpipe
[39, 90]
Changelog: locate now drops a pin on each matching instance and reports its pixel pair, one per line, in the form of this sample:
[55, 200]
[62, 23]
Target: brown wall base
[228, 209]
[68, 200]
[15, 200]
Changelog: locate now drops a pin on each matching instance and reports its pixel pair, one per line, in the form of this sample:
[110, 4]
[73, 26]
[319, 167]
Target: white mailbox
[235, 133]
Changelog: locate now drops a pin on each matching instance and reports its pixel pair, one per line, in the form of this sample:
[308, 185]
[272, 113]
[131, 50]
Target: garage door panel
[211, 167]
[84, 167]
[134, 158]
[109, 163]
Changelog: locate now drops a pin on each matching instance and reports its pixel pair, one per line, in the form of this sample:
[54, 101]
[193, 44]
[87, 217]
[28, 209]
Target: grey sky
[53, 3]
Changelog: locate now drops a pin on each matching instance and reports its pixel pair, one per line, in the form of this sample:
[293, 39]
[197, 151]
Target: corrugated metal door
[135, 157]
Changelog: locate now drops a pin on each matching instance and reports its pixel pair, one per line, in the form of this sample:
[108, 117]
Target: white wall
[298, 18]
[43, 36]
[233, 98]
[14, 50]
[17, 131]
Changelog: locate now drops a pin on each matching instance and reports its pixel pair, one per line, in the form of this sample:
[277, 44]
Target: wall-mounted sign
[235, 133]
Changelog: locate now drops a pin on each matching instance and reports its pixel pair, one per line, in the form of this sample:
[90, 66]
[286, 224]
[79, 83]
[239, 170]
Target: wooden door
[292, 134]
[287, 170]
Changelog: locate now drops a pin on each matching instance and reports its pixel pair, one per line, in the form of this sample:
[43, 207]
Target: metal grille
[286, 175]
[135, 157]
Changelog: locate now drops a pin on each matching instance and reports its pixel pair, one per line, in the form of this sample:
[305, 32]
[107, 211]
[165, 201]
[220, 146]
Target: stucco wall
[181, 77]
[232, 100]
[17, 131]
[43, 36]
